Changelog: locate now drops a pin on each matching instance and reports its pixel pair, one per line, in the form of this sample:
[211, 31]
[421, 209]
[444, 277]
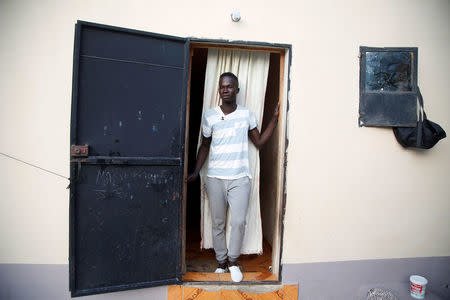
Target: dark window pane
[388, 71]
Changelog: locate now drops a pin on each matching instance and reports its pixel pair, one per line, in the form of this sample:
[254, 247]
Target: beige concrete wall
[353, 193]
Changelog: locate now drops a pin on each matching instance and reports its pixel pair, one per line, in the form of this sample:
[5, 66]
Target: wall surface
[352, 193]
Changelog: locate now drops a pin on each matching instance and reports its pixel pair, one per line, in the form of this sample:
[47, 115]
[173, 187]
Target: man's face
[228, 89]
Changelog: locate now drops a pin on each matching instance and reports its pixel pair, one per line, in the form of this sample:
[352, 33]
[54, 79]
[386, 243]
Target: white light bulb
[235, 16]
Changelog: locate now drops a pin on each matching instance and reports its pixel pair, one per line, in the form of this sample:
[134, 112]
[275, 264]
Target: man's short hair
[229, 74]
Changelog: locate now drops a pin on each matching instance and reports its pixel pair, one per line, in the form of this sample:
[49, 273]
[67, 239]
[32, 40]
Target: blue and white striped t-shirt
[228, 154]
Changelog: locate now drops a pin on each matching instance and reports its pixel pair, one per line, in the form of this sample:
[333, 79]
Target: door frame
[285, 51]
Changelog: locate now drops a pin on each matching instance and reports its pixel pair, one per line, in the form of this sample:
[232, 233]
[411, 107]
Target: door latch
[79, 151]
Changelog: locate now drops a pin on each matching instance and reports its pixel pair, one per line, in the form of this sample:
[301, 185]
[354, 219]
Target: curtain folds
[252, 69]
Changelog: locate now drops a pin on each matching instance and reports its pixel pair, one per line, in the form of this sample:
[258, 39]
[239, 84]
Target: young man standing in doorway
[225, 132]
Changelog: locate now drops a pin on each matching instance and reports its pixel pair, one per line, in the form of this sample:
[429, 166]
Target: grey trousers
[236, 193]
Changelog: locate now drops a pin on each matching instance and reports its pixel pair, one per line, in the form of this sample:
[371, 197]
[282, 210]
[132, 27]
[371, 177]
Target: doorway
[131, 218]
[200, 263]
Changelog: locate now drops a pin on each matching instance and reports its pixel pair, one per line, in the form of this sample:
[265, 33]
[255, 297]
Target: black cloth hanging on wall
[426, 133]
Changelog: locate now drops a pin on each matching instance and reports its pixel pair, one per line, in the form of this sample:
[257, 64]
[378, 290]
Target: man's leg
[238, 197]
[215, 188]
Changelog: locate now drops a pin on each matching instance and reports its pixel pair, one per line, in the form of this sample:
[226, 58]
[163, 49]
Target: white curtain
[252, 69]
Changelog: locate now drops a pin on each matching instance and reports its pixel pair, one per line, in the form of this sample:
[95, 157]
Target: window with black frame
[388, 82]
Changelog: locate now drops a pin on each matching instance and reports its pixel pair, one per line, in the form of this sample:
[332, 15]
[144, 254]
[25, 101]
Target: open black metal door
[128, 108]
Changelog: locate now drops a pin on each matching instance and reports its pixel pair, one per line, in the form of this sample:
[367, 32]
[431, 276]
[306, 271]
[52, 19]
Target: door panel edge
[73, 121]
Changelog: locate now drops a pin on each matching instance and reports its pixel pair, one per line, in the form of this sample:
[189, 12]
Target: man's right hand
[192, 177]
[201, 157]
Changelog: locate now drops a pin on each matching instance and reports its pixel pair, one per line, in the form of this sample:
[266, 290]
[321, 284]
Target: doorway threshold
[216, 292]
[249, 277]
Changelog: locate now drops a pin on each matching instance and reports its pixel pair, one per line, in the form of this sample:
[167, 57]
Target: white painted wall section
[352, 193]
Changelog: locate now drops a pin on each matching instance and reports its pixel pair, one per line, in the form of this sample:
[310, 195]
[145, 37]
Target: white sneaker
[236, 274]
[220, 270]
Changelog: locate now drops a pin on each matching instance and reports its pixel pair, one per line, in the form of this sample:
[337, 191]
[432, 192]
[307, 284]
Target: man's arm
[201, 157]
[260, 139]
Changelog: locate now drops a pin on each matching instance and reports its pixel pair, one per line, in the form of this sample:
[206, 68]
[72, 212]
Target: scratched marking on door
[130, 184]
[140, 115]
[119, 177]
